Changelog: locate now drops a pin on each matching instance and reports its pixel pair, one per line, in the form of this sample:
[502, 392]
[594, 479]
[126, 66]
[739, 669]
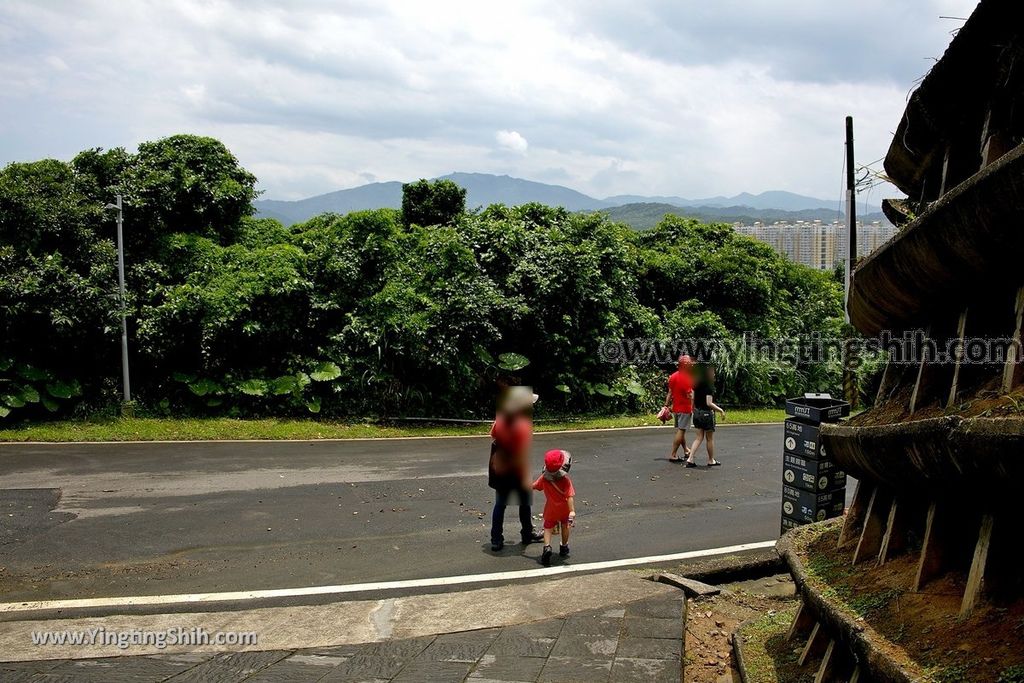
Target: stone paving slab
[342, 623]
[639, 641]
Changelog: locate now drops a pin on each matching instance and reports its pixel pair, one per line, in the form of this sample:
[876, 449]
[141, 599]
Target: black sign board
[816, 476]
[802, 439]
[806, 507]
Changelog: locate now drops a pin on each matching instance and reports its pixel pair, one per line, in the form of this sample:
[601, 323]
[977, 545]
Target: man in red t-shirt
[680, 400]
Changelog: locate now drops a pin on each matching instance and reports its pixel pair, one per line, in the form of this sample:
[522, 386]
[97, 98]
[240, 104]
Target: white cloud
[512, 141]
[321, 95]
[57, 63]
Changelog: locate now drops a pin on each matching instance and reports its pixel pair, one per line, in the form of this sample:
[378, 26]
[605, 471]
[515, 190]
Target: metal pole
[850, 389]
[851, 215]
[124, 302]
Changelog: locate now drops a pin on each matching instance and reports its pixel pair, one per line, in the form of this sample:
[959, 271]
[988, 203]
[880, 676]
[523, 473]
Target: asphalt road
[104, 520]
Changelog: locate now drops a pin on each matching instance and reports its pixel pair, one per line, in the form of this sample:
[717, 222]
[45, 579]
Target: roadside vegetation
[387, 313]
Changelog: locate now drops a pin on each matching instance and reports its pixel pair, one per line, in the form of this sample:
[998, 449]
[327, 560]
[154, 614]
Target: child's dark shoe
[545, 557]
[563, 551]
[496, 547]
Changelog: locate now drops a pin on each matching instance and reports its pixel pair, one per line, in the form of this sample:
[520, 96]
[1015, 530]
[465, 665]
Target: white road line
[194, 598]
[536, 433]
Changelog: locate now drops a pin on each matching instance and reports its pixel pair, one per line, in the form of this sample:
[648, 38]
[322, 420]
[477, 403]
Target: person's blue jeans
[524, 498]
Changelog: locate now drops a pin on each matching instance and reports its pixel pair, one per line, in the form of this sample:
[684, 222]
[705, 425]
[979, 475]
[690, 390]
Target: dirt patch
[711, 622]
[921, 629]
[988, 401]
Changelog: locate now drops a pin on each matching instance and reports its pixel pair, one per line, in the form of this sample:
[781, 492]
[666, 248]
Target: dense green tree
[432, 202]
[185, 183]
[98, 173]
[419, 311]
[57, 280]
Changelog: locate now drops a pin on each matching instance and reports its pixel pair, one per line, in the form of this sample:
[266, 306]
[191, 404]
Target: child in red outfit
[559, 506]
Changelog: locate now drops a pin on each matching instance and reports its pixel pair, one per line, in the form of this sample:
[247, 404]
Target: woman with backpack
[508, 470]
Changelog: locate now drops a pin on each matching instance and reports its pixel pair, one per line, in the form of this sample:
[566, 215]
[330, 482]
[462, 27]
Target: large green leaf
[604, 390]
[29, 394]
[635, 388]
[32, 373]
[59, 389]
[512, 361]
[4, 411]
[564, 388]
[50, 404]
[313, 405]
[284, 384]
[183, 377]
[202, 387]
[325, 372]
[253, 387]
[12, 401]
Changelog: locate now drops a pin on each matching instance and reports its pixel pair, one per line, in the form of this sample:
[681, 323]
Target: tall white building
[817, 244]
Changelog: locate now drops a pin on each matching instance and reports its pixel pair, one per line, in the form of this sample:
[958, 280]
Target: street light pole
[124, 302]
[851, 216]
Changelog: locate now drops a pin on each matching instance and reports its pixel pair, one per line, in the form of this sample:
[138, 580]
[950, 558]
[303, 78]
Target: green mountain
[483, 189]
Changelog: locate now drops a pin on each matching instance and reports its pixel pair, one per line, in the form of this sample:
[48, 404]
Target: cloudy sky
[685, 97]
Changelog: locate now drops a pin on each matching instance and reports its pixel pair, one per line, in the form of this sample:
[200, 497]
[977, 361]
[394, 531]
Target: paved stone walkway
[640, 641]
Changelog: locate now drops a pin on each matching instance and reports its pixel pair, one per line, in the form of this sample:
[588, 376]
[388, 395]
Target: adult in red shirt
[680, 400]
[509, 470]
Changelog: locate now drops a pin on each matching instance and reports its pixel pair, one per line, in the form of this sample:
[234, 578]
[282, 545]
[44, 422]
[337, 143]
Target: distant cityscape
[815, 243]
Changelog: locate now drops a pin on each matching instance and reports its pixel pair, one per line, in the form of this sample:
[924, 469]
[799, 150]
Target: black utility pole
[851, 214]
[849, 378]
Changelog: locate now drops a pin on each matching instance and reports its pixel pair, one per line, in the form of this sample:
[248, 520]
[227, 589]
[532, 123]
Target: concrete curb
[682, 652]
[737, 651]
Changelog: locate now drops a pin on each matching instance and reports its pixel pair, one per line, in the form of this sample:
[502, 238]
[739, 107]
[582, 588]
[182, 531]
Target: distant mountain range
[646, 215]
[483, 189]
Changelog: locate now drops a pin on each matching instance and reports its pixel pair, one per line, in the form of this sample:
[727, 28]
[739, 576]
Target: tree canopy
[418, 312]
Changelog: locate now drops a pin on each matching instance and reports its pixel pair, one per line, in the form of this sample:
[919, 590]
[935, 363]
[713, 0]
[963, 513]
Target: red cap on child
[553, 460]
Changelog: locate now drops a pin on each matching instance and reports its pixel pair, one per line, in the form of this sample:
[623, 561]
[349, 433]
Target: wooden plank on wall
[977, 574]
[889, 376]
[874, 525]
[816, 644]
[960, 330]
[1014, 368]
[826, 670]
[944, 187]
[895, 539]
[918, 392]
[854, 521]
[803, 621]
[934, 548]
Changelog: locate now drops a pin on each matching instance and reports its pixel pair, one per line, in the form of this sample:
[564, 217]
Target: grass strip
[219, 428]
